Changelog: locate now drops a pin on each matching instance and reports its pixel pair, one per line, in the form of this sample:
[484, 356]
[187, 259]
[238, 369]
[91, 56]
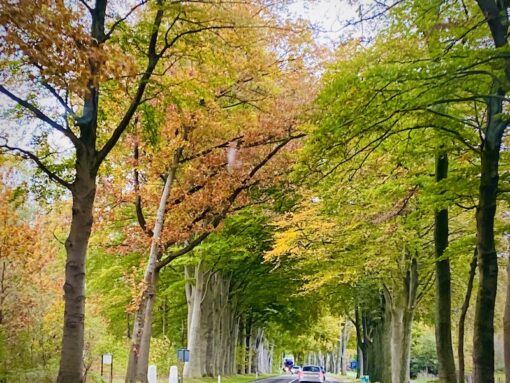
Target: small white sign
[174, 375]
[152, 375]
[107, 358]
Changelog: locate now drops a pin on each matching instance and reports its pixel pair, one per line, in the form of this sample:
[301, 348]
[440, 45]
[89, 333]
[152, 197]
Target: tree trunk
[210, 329]
[444, 348]
[128, 326]
[378, 351]
[462, 319]
[342, 363]
[359, 365]
[249, 343]
[366, 342]
[402, 312]
[143, 356]
[506, 324]
[401, 345]
[483, 338]
[193, 369]
[138, 362]
[397, 344]
[386, 343]
[496, 15]
[163, 316]
[242, 367]
[360, 340]
[233, 344]
[188, 276]
[83, 192]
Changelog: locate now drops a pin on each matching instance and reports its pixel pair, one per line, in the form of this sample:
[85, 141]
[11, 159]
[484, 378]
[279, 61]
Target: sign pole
[183, 357]
[101, 367]
[111, 371]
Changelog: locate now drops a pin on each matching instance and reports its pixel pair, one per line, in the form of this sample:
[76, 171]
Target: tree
[98, 64]
[444, 346]
[496, 15]
[28, 281]
[466, 26]
[225, 117]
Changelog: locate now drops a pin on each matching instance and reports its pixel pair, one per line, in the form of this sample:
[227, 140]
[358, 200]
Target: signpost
[183, 356]
[107, 359]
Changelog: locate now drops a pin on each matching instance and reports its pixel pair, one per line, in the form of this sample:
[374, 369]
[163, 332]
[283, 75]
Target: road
[288, 379]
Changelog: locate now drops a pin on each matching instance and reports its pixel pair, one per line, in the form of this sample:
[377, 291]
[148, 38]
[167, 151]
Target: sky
[330, 16]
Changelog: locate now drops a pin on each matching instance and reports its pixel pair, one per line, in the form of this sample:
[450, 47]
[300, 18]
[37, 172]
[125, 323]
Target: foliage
[423, 351]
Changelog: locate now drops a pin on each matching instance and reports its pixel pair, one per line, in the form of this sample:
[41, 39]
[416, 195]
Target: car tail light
[300, 373]
[321, 375]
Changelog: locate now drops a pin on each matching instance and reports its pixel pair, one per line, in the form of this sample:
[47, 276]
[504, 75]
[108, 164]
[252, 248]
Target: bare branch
[84, 2]
[122, 19]
[138, 201]
[40, 115]
[171, 43]
[59, 98]
[29, 155]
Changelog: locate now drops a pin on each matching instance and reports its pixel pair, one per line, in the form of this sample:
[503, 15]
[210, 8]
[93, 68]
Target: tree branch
[29, 155]
[175, 254]
[117, 23]
[138, 201]
[84, 2]
[211, 149]
[171, 43]
[59, 98]
[216, 220]
[40, 115]
[135, 102]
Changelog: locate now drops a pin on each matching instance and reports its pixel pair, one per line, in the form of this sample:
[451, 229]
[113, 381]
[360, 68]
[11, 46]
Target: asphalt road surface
[289, 379]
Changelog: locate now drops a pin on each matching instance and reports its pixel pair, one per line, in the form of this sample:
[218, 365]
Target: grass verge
[227, 379]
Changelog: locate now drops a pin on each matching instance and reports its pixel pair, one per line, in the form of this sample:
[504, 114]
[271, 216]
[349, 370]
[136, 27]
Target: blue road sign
[183, 355]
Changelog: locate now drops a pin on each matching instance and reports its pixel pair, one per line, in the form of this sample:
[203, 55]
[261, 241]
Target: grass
[227, 379]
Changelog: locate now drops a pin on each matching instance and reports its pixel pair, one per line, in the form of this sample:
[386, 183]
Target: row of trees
[411, 125]
[195, 105]
[169, 121]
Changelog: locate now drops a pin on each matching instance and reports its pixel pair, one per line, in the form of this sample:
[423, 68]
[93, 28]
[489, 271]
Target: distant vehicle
[295, 370]
[312, 374]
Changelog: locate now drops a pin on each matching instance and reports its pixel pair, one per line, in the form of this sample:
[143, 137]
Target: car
[312, 374]
[295, 370]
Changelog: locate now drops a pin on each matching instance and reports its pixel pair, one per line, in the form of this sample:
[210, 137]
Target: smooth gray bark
[138, 362]
[193, 369]
[403, 304]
